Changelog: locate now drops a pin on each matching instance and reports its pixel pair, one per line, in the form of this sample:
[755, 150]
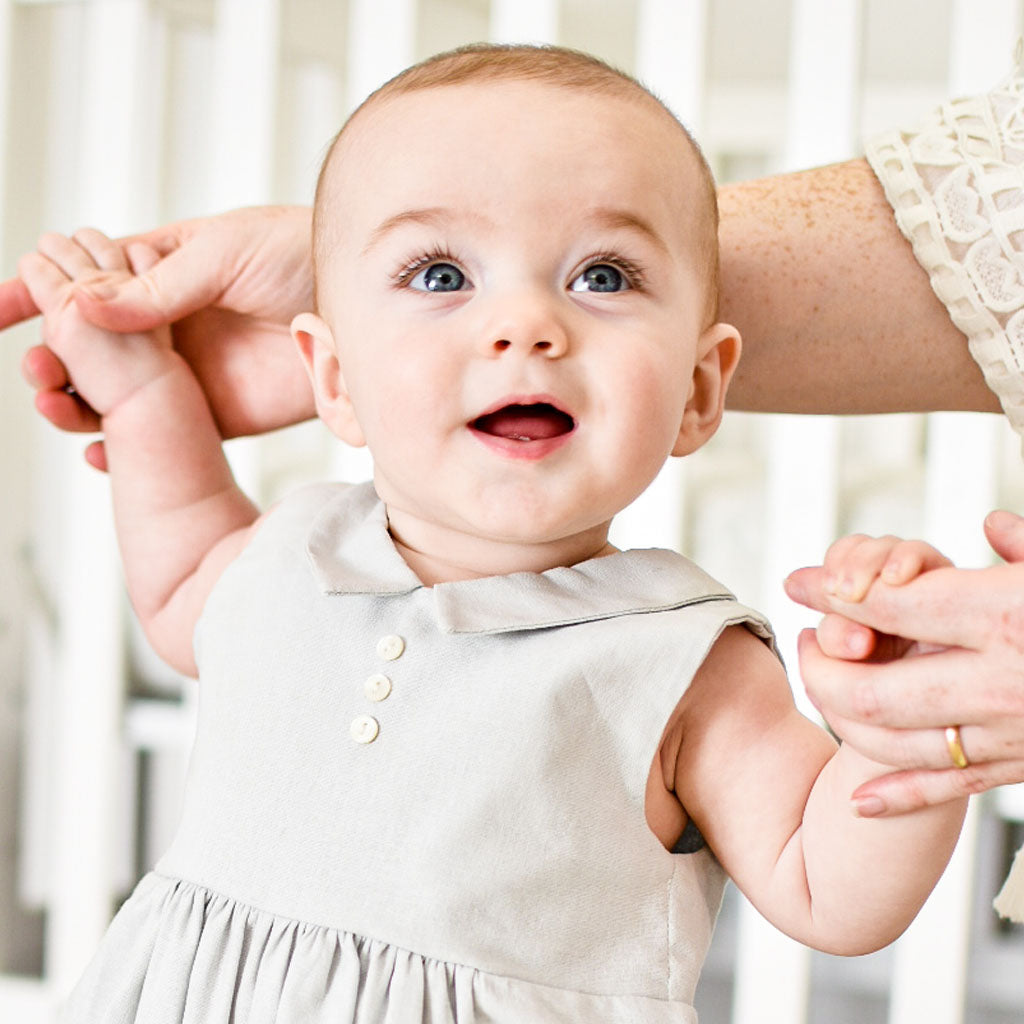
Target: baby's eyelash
[631, 270]
[410, 268]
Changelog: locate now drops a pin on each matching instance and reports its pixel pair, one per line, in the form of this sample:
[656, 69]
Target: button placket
[377, 687]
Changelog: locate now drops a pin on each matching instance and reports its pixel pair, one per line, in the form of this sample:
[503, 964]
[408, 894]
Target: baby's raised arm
[180, 516]
[771, 791]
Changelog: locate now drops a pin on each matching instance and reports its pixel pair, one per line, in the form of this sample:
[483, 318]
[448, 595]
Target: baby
[452, 744]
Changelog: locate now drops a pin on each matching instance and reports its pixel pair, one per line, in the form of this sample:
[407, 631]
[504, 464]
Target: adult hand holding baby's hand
[893, 670]
[229, 285]
[105, 368]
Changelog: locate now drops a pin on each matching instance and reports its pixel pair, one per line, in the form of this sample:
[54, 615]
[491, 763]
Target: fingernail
[868, 806]
[796, 591]
[999, 519]
[891, 571]
[830, 583]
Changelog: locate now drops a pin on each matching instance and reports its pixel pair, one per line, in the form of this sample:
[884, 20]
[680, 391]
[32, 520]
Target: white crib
[127, 113]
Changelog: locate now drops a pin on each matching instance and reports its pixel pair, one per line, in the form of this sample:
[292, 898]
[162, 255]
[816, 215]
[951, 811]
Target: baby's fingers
[908, 559]
[67, 254]
[46, 282]
[840, 637]
[853, 563]
[142, 257]
[104, 252]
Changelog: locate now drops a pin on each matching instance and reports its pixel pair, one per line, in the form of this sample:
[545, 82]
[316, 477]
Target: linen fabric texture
[485, 857]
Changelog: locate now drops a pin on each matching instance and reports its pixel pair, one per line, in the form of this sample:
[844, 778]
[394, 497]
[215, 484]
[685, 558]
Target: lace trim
[956, 186]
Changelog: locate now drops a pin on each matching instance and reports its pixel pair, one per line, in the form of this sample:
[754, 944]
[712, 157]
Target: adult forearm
[836, 314]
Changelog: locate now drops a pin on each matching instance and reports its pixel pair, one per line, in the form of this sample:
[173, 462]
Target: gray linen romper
[410, 804]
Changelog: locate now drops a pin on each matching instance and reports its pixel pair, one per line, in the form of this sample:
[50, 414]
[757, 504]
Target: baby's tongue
[526, 422]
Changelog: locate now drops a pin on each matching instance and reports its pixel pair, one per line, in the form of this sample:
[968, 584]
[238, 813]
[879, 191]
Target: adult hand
[891, 672]
[230, 285]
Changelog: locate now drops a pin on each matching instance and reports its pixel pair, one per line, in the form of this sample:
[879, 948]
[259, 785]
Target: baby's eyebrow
[431, 216]
[606, 217]
[615, 218]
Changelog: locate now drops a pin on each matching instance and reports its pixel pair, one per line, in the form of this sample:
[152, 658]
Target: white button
[390, 647]
[365, 729]
[378, 687]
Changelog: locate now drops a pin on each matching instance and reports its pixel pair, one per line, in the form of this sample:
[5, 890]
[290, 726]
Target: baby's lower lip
[517, 448]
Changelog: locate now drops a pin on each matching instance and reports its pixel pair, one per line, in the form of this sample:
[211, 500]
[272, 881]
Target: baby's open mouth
[536, 422]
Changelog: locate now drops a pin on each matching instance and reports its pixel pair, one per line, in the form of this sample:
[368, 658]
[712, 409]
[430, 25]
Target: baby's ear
[718, 352]
[333, 405]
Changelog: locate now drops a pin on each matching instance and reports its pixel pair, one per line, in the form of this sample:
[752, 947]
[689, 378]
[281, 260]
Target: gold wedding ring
[956, 747]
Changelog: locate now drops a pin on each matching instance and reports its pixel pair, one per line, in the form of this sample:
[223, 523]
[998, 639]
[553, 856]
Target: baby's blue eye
[439, 277]
[601, 277]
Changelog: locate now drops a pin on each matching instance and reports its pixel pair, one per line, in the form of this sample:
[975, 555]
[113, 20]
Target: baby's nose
[527, 323]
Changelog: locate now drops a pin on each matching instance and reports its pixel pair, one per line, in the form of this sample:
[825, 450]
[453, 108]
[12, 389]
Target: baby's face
[515, 304]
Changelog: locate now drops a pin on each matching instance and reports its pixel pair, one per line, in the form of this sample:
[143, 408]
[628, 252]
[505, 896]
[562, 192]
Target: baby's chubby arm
[771, 792]
[180, 516]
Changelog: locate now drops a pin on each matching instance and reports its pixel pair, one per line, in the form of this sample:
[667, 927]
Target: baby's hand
[853, 563]
[105, 367]
[852, 566]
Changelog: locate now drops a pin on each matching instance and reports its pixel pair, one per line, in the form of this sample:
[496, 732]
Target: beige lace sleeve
[956, 185]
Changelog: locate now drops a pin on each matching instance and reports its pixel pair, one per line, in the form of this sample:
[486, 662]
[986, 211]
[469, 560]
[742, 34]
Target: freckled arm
[836, 314]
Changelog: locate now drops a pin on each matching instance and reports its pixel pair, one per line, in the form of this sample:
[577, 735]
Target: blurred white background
[127, 113]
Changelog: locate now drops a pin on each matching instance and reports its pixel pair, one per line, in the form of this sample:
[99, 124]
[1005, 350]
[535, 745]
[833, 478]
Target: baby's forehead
[383, 122]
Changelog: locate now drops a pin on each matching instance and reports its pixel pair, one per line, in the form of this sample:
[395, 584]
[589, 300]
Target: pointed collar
[351, 552]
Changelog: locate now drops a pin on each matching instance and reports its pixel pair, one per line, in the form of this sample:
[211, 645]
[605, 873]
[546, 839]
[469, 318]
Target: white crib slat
[27, 1001]
[315, 114]
[982, 35]
[524, 21]
[929, 980]
[87, 707]
[244, 102]
[670, 60]
[114, 184]
[382, 41]
[961, 483]
[109, 187]
[930, 976]
[823, 98]
[246, 44]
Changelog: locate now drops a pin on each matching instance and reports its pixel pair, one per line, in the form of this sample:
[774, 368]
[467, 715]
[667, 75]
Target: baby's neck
[440, 557]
